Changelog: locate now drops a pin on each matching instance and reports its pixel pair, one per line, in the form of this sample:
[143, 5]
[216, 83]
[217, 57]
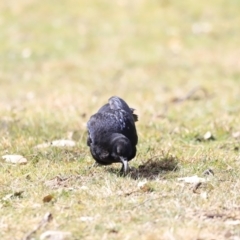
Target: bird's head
[121, 150]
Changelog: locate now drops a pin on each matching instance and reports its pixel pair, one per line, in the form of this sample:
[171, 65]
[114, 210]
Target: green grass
[61, 60]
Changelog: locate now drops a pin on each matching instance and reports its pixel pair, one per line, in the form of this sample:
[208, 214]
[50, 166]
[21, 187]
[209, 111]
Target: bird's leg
[125, 166]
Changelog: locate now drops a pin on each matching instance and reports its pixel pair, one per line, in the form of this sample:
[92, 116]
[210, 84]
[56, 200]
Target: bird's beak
[125, 167]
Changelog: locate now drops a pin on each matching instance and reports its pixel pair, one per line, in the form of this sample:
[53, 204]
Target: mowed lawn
[176, 62]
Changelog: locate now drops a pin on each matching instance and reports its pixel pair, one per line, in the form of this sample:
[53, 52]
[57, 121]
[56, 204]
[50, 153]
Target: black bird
[112, 135]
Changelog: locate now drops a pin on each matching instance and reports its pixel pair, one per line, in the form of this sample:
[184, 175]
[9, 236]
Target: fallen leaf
[48, 198]
[193, 179]
[145, 186]
[55, 235]
[228, 234]
[18, 194]
[236, 148]
[115, 231]
[16, 159]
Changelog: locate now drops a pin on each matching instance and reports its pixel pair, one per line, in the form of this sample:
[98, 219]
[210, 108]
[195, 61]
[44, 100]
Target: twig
[189, 94]
[46, 219]
[196, 186]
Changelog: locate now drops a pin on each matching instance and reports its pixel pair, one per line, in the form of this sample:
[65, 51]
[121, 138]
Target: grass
[61, 60]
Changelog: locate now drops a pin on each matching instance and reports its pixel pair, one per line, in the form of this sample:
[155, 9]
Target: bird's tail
[135, 116]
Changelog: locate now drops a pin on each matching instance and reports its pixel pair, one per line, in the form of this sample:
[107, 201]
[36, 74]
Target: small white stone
[57, 143]
[207, 135]
[26, 53]
[236, 134]
[55, 235]
[86, 219]
[16, 159]
[204, 195]
[201, 27]
[232, 222]
[63, 143]
[193, 179]
[43, 145]
[142, 184]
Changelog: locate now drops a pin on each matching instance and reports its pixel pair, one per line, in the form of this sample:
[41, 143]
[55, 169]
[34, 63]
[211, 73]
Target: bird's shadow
[154, 167]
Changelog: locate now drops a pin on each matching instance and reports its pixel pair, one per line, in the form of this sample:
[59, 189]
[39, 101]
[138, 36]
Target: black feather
[112, 135]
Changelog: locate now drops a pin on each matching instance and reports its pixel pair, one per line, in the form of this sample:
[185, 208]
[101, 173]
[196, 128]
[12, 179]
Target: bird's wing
[128, 127]
[116, 103]
[104, 108]
[100, 125]
[89, 140]
[111, 121]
